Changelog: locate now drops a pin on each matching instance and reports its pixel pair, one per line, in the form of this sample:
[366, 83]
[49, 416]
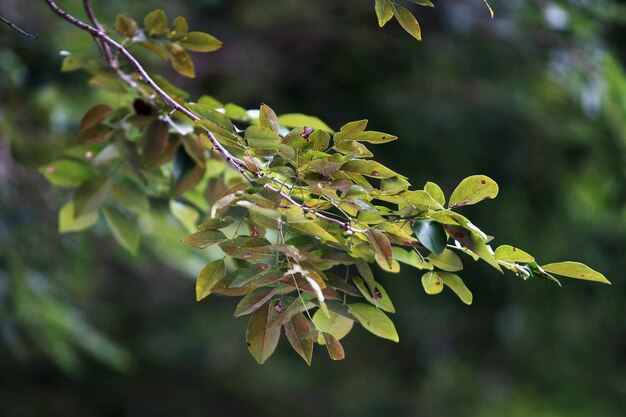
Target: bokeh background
[535, 98]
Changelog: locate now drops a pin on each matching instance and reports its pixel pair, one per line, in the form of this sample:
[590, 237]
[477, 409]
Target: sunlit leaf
[179, 27]
[378, 297]
[432, 283]
[457, 285]
[334, 324]
[200, 42]
[348, 130]
[446, 260]
[210, 275]
[181, 61]
[384, 12]
[300, 120]
[473, 190]
[411, 257]
[268, 118]
[509, 253]
[407, 21]
[374, 320]
[575, 270]
[435, 192]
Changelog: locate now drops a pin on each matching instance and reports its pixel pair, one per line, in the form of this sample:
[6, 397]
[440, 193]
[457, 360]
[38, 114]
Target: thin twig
[16, 28]
[236, 163]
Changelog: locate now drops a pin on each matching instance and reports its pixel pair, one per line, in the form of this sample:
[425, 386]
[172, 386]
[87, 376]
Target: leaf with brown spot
[262, 338]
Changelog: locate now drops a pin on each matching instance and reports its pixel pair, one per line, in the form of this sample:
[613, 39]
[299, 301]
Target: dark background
[534, 98]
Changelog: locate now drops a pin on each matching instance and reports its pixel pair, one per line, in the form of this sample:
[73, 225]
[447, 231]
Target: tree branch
[99, 33]
[16, 28]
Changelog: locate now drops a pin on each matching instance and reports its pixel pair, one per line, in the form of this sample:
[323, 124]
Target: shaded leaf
[335, 350]
[381, 245]
[300, 336]
[155, 22]
[431, 235]
[66, 173]
[374, 320]
[123, 229]
[204, 238]
[384, 12]
[94, 117]
[262, 339]
[254, 300]
[126, 26]
[154, 142]
[179, 27]
[378, 297]
[91, 195]
[181, 61]
[68, 223]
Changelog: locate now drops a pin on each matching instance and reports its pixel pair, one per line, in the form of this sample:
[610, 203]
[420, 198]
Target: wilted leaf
[473, 190]
[575, 270]
[210, 275]
[431, 234]
[374, 321]
[262, 339]
[335, 350]
[300, 336]
[124, 231]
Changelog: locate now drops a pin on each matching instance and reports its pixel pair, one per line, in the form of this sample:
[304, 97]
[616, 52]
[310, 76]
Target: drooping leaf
[407, 21]
[91, 195]
[204, 238]
[335, 350]
[123, 229]
[68, 223]
[155, 22]
[457, 285]
[210, 275]
[384, 12]
[300, 120]
[411, 257]
[431, 234]
[200, 42]
[378, 297]
[446, 260]
[381, 245]
[181, 61]
[575, 270]
[262, 339]
[509, 253]
[300, 336]
[334, 324]
[374, 320]
[254, 300]
[432, 283]
[473, 190]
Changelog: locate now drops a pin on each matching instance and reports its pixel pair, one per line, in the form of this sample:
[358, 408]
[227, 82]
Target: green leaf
[254, 300]
[126, 26]
[210, 275]
[473, 190]
[431, 234]
[91, 195]
[181, 61]
[378, 297]
[205, 111]
[124, 231]
[435, 192]
[348, 130]
[374, 320]
[421, 198]
[384, 12]
[131, 197]
[262, 339]
[218, 223]
[427, 3]
[300, 336]
[187, 215]
[411, 257]
[68, 223]
[474, 242]
[66, 173]
[334, 324]
[200, 42]
[247, 248]
[268, 119]
[262, 140]
[509, 253]
[575, 270]
[369, 168]
[204, 238]
[155, 22]
[447, 260]
[432, 283]
[302, 120]
[335, 350]
[179, 27]
[457, 285]
[372, 136]
[407, 21]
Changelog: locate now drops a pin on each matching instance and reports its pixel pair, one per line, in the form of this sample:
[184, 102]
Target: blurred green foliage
[533, 98]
